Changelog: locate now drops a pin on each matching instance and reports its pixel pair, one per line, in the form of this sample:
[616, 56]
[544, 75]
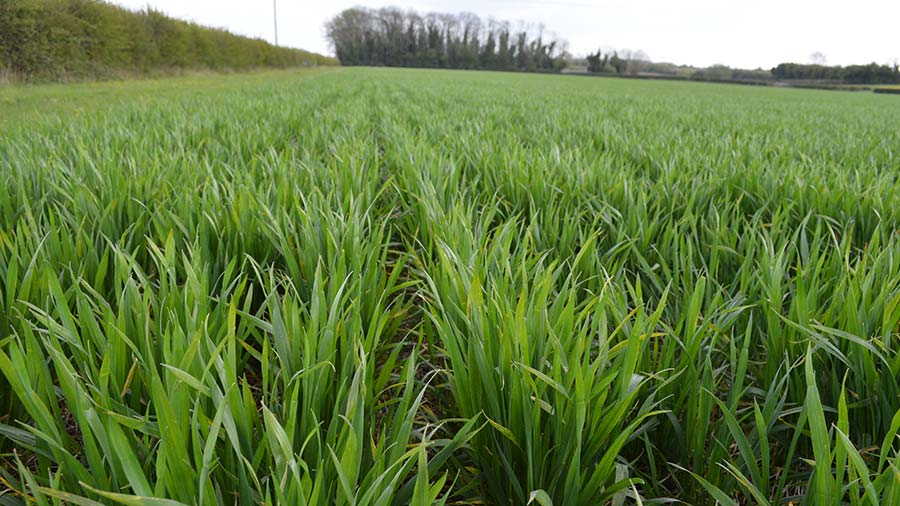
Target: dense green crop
[409, 287]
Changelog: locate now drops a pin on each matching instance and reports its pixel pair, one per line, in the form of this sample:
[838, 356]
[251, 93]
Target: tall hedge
[55, 39]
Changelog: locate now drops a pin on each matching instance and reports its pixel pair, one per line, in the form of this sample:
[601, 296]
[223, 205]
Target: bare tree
[635, 60]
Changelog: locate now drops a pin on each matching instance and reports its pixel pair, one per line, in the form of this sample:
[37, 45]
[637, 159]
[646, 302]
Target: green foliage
[851, 74]
[383, 286]
[596, 62]
[58, 39]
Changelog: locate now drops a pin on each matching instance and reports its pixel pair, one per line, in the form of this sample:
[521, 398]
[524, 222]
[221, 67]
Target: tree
[618, 64]
[505, 52]
[488, 55]
[635, 60]
[595, 62]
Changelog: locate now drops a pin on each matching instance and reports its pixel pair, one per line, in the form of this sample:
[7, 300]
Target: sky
[757, 34]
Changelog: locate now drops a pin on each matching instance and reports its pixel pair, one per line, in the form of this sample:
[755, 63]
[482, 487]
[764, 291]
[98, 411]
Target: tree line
[59, 39]
[872, 73]
[637, 63]
[396, 38]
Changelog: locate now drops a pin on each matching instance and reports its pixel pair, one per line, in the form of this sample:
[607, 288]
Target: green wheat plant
[388, 287]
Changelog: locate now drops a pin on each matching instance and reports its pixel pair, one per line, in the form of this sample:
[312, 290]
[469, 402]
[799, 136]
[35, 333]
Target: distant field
[374, 286]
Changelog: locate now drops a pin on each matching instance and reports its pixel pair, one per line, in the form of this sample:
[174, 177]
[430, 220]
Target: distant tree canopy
[852, 74]
[51, 39]
[397, 38]
[596, 62]
[726, 73]
[625, 61]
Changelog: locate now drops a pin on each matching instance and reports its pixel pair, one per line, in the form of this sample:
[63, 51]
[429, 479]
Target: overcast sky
[745, 34]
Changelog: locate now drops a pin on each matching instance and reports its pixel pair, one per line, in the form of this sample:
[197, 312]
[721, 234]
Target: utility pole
[275, 12]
